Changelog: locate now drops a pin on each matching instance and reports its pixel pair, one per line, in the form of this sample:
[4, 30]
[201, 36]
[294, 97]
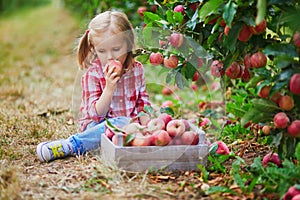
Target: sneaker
[48, 151]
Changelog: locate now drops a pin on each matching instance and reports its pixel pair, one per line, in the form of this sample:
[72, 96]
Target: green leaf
[297, 152]
[237, 111]
[167, 110]
[283, 61]
[222, 189]
[261, 10]
[149, 109]
[277, 139]
[129, 138]
[209, 8]
[188, 71]
[205, 173]
[253, 82]
[231, 39]
[213, 148]
[180, 80]
[178, 17]
[229, 12]
[279, 49]
[264, 105]
[256, 115]
[150, 17]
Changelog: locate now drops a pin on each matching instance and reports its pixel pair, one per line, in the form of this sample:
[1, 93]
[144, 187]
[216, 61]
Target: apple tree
[251, 47]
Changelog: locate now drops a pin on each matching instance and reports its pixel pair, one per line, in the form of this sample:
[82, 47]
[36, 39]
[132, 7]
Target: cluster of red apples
[160, 131]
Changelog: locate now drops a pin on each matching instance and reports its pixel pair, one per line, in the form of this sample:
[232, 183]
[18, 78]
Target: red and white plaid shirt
[129, 98]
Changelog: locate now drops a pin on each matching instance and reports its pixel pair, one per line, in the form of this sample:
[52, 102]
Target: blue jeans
[90, 138]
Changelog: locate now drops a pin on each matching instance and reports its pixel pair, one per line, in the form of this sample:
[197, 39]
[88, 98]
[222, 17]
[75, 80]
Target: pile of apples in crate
[160, 131]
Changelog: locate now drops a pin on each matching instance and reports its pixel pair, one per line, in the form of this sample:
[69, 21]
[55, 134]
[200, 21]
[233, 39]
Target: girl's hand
[111, 77]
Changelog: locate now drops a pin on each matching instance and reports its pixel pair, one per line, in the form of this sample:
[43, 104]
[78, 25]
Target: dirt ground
[39, 96]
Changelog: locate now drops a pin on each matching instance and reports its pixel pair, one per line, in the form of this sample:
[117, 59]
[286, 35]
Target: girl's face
[110, 46]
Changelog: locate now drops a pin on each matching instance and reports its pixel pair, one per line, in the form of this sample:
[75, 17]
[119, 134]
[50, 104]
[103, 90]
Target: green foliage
[87, 9]
[204, 24]
[8, 6]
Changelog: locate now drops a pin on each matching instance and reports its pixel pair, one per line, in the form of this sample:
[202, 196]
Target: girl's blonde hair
[119, 23]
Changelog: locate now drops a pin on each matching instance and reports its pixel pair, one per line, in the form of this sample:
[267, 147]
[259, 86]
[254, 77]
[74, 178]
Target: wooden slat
[173, 157]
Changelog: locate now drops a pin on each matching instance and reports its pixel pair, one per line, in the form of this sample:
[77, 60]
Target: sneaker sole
[39, 151]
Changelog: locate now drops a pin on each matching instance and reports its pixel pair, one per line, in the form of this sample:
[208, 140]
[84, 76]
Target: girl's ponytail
[83, 50]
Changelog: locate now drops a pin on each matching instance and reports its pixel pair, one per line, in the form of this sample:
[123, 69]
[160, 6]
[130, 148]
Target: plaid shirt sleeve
[91, 91]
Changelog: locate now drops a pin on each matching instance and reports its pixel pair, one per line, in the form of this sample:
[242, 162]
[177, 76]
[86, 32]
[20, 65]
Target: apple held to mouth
[117, 66]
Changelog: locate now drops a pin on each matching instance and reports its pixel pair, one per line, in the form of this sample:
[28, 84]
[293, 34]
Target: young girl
[106, 94]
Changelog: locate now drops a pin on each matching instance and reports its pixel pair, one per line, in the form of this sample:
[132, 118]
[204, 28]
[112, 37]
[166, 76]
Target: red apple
[286, 103]
[161, 138]
[204, 122]
[258, 60]
[271, 157]
[176, 39]
[246, 76]
[165, 117]
[196, 76]
[226, 30]
[291, 193]
[222, 148]
[167, 103]
[222, 22]
[153, 8]
[109, 134]
[176, 141]
[245, 34]
[141, 10]
[296, 39]
[179, 8]
[194, 6]
[155, 124]
[200, 62]
[295, 83]
[190, 138]
[194, 87]
[247, 61]
[175, 127]
[281, 120]
[264, 92]
[259, 28]
[141, 140]
[294, 128]
[276, 97]
[186, 124]
[163, 43]
[217, 69]
[167, 91]
[156, 58]
[234, 71]
[117, 66]
[215, 86]
[171, 62]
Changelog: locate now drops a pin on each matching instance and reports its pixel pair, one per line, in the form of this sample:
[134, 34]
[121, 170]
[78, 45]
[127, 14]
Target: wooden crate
[169, 158]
